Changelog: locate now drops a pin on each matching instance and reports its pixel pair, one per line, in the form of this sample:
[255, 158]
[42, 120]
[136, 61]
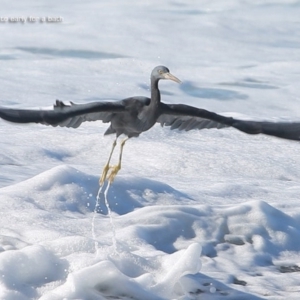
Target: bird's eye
[160, 71]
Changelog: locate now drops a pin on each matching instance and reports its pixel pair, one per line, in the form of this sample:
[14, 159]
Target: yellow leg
[117, 168]
[106, 168]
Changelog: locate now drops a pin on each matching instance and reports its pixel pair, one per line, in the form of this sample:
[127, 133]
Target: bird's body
[130, 122]
[134, 115]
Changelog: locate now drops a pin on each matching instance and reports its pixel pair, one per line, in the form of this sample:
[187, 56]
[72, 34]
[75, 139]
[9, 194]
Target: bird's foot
[104, 174]
[113, 173]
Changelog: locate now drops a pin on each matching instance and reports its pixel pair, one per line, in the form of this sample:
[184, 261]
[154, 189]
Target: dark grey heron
[134, 115]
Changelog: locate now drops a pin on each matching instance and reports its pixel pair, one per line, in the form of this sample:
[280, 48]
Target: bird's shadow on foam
[193, 90]
[147, 88]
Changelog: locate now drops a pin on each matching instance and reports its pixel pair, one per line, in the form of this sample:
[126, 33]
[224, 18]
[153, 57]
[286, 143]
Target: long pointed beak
[171, 77]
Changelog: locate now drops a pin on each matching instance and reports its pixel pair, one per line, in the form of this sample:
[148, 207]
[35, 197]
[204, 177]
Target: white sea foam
[197, 215]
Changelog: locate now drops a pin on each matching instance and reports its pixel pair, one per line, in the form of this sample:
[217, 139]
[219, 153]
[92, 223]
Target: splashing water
[109, 212]
[173, 283]
[113, 227]
[97, 205]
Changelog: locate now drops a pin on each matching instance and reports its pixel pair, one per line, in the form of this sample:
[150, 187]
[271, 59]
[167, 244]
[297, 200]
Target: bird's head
[161, 72]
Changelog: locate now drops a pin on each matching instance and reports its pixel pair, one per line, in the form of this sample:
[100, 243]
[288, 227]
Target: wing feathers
[64, 115]
[184, 117]
[179, 116]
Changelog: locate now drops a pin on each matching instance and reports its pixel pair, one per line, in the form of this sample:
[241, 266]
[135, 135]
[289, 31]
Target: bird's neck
[155, 93]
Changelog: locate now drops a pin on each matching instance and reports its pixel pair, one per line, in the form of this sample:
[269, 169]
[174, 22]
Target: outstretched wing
[64, 115]
[187, 123]
[184, 117]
